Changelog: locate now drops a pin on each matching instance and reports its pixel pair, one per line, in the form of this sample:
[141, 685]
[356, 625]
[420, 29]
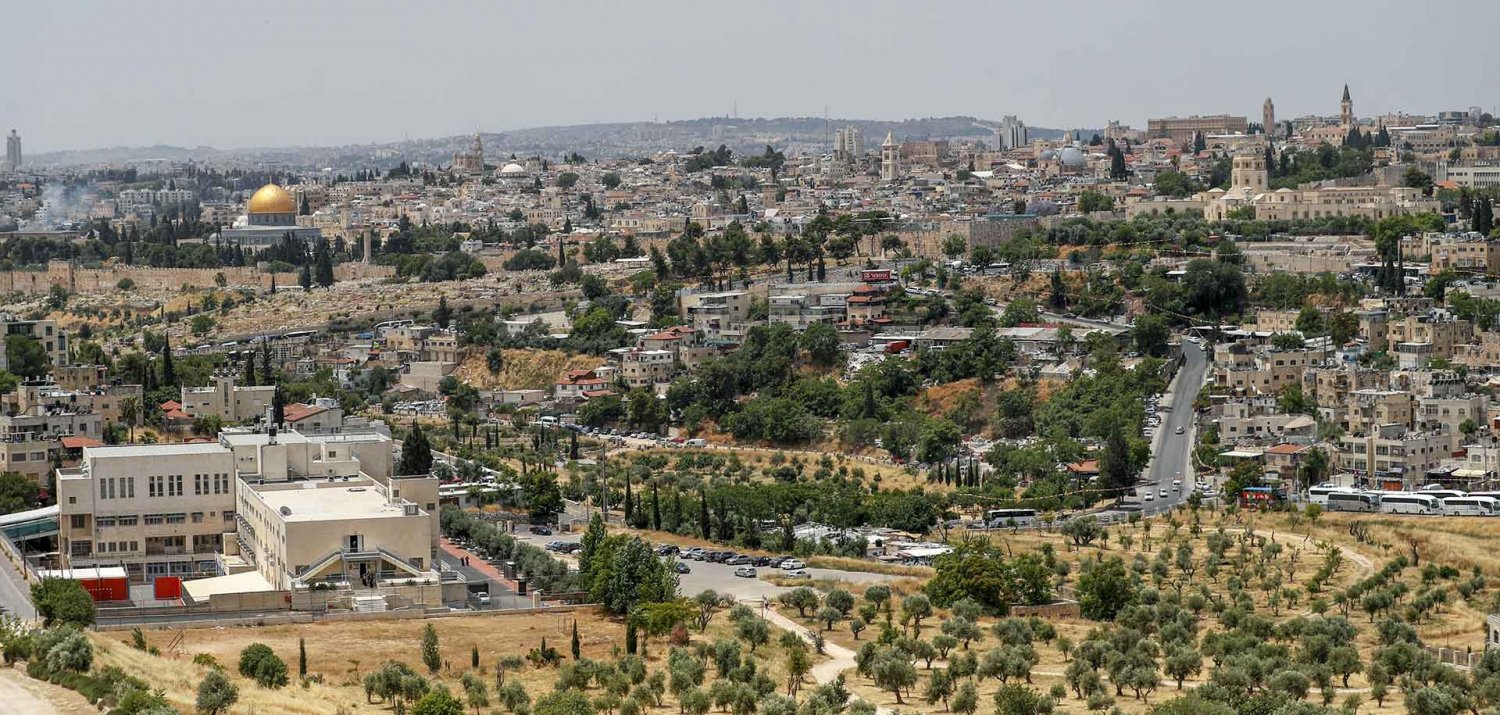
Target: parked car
[482, 598]
[541, 530]
[761, 561]
[792, 565]
[745, 572]
[799, 573]
[666, 549]
[739, 560]
[683, 568]
[776, 561]
[696, 554]
[557, 546]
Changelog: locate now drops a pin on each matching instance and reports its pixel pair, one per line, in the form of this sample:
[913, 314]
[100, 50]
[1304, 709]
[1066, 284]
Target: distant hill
[594, 141]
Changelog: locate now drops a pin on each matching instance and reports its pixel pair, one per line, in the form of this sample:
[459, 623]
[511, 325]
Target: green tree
[438, 701]
[216, 694]
[259, 663]
[564, 702]
[1090, 201]
[17, 492]
[416, 453]
[1104, 588]
[432, 656]
[954, 246]
[26, 356]
[61, 601]
[1151, 333]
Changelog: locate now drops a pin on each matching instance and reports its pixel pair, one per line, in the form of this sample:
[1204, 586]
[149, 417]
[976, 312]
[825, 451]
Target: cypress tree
[629, 507]
[168, 372]
[301, 657]
[577, 646]
[250, 368]
[655, 507]
[474, 657]
[703, 513]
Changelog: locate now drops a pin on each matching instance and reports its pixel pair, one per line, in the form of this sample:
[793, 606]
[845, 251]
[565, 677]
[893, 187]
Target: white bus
[1409, 503]
[1319, 494]
[1352, 501]
[1443, 493]
[1471, 506]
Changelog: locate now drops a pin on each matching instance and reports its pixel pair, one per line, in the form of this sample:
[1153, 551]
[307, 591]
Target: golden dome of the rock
[271, 199]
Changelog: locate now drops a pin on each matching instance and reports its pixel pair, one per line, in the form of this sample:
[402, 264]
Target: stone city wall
[69, 275]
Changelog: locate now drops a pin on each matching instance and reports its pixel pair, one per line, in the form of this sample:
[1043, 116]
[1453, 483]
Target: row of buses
[1431, 502]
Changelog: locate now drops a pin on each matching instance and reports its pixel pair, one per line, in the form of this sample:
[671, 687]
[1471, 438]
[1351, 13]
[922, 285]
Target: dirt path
[21, 694]
[839, 660]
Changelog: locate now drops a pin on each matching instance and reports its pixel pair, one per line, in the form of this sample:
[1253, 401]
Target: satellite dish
[286, 511]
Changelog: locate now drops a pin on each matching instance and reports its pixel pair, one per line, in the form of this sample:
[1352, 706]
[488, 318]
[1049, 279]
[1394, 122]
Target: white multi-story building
[293, 508]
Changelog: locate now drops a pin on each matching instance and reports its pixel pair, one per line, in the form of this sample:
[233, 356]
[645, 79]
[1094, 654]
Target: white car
[1179, 430]
[1148, 496]
[1176, 485]
[1162, 493]
[792, 565]
[745, 572]
[482, 598]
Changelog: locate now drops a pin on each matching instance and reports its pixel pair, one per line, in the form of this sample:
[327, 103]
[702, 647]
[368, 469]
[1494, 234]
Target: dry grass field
[341, 653]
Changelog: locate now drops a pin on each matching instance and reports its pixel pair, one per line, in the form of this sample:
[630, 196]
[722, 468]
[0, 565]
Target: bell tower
[1346, 109]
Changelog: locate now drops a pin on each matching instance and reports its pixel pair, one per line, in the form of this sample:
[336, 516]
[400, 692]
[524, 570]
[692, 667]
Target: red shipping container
[167, 588]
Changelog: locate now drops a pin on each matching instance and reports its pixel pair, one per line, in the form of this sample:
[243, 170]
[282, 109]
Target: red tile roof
[170, 405]
[297, 411]
[78, 442]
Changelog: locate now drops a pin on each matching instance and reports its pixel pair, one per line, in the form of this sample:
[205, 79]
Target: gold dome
[271, 199]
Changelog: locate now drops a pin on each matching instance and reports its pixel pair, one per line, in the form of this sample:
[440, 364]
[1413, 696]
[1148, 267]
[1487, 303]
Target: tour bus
[1471, 506]
[1352, 501]
[999, 518]
[1319, 494]
[1409, 503]
[1442, 493]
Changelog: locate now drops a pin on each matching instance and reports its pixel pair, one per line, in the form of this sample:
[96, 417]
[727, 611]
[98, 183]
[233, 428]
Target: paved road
[721, 578]
[1172, 453]
[15, 594]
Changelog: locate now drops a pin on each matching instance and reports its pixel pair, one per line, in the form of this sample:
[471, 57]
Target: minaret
[369, 236]
[890, 158]
[1268, 118]
[1346, 109]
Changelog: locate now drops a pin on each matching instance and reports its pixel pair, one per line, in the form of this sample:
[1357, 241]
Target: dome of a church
[1048, 155]
[271, 199]
[1072, 156]
[512, 169]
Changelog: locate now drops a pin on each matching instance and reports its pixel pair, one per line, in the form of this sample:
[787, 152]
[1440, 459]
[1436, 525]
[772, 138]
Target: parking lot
[719, 576]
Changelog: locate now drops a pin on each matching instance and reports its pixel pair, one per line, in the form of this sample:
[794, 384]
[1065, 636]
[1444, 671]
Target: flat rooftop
[317, 501]
[151, 450]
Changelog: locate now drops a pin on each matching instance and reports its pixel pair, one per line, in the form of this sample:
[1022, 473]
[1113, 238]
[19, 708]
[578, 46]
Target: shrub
[62, 601]
[216, 694]
[259, 663]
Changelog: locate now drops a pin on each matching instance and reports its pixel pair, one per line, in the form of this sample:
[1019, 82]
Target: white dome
[1072, 156]
[1048, 155]
[512, 169]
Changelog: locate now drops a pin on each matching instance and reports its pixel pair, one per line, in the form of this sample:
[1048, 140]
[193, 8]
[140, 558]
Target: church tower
[1346, 110]
[1268, 118]
[1248, 170]
[890, 158]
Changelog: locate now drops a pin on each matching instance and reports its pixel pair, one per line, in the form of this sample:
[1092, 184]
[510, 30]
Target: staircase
[369, 604]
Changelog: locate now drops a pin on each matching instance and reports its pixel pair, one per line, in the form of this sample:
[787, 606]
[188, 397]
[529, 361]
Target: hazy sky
[82, 74]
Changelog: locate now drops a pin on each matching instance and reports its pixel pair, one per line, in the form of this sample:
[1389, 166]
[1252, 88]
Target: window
[130, 520]
[177, 518]
[154, 487]
[197, 517]
[77, 521]
[104, 521]
[155, 519]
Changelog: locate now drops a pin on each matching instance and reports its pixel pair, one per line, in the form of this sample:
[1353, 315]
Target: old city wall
[75, 278]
